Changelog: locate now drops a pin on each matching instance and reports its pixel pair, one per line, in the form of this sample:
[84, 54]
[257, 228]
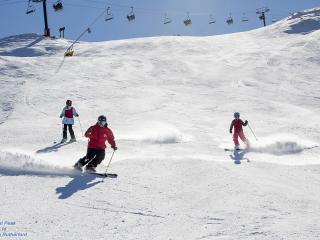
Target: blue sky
[77, 15]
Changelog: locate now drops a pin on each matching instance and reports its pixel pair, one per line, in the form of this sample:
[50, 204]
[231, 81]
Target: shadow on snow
[26, 51]
[238, 156]
[53, 148]
[78, 183]
[304, 27]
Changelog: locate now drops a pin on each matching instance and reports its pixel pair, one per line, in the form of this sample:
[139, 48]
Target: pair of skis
[105, 174]
[232, 149]
[109, 175]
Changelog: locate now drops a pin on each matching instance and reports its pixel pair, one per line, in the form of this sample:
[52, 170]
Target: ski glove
[246, 122]
[77, 115]
[230, 131]
[89, 131]
[114, 148]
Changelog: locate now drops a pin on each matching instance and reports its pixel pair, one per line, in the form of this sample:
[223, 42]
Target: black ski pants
[65, 126]
[93, 158]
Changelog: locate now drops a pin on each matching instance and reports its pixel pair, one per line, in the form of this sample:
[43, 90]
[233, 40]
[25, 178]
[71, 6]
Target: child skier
[98, 134]
[237, 123]
[67, 114]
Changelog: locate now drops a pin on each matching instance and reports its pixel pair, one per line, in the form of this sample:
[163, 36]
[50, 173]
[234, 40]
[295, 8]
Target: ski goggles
[102, 123]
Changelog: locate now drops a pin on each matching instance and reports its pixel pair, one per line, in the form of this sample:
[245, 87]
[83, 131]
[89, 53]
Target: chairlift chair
[109, 15]
[57, 6]
[30, 8]
[166, 19]
[229, 20]
[131, 15]
[187, 21]
[211, 19]
[69, 52]
[244, 18]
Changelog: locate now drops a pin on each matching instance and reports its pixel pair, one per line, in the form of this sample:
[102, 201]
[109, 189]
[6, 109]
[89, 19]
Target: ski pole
[80, 126]
[109, 161]
[90, 160]
[252, 132]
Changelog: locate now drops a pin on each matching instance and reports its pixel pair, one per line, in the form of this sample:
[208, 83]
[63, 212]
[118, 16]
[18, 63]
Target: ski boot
[91, 169]
[78, 166]
[237, 147]
[63, 140]
[72, 140]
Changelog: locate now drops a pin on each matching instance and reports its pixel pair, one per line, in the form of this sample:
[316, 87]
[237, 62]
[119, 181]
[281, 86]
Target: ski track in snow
[169, 102]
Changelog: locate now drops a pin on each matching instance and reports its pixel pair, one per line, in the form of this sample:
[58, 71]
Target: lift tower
[262, 15]
[45, 16]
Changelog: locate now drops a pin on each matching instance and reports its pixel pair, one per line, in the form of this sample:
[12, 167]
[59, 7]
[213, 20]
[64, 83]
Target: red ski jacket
[237, 123]
[98, 136]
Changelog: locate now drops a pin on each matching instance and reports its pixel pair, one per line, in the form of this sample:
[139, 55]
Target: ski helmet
[69, 102]
[236, 114]
[102, 120]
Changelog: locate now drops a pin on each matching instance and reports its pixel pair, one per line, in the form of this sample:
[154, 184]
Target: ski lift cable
[114, 9]
[84, 6]
[125, 6]
[8, 2]
[139, 9]
[4, 1]
[171, 13]
[88, 28]
[146, 10]
[11, 3]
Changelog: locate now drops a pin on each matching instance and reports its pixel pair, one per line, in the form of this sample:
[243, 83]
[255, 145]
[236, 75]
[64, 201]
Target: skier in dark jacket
[68, 112]
[98, 134]
[237, 124]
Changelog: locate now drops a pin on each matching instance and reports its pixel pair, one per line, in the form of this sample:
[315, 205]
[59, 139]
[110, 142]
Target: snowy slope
[169, 101]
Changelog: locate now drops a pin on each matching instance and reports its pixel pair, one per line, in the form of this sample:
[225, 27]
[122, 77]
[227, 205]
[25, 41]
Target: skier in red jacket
[237, 124]
[98, 134]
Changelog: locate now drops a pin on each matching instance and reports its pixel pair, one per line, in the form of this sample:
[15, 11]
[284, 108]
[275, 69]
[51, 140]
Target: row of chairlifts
[57, 6]
[187, 21]
[244, 18]
[130, 15]
[212, 20]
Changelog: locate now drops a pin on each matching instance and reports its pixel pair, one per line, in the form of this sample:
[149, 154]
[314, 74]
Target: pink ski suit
[237, 123]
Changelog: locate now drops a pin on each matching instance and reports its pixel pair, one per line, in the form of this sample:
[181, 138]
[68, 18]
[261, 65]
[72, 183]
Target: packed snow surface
[169, 102]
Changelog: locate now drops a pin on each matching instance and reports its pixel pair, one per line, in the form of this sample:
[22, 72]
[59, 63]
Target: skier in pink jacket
[237, 124]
